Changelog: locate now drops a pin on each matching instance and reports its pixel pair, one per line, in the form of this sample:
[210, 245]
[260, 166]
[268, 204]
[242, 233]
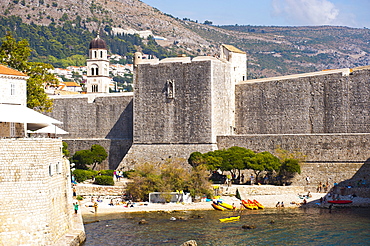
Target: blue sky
[352, 13]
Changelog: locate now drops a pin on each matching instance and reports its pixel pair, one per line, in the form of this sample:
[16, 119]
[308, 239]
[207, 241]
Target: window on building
[92, 71]
[12, 130]
[95, 54]
[12, 89]
[96, 71]
[101, 54]
[94, 88]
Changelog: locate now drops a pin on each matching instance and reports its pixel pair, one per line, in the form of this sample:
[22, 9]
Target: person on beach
[282, 204]
[96, 207]
[277, 205]
[75, 206]
[74, 192]
[252, 179]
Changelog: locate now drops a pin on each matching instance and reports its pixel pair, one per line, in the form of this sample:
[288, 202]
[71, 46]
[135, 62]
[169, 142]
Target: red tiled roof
[10, 71]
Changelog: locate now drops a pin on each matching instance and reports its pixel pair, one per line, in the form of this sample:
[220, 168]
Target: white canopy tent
[22, 114]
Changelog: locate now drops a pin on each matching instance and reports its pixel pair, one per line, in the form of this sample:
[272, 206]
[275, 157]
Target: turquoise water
[310, 226]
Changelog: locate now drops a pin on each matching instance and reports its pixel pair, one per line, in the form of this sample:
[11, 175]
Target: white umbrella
[50, 129]
[22, 114]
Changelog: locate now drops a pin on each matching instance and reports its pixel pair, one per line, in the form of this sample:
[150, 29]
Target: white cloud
[306, 12]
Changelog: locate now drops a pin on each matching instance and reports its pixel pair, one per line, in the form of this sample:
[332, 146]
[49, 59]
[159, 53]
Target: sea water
[286, 226]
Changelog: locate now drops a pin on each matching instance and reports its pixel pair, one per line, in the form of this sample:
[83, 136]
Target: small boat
[249, 204]
[217, 207]
[340, 201]
[259, 205]
[231, 218]
[225, 205]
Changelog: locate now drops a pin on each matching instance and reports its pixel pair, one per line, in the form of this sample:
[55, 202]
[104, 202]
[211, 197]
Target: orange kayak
[259, 205]
[218, 207]
[249, 204]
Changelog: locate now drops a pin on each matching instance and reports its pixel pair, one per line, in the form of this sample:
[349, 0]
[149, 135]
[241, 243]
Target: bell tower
[98, 67]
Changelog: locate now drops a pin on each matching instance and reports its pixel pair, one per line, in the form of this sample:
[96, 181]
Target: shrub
[107, 172]
[82, 175]
[104, 180]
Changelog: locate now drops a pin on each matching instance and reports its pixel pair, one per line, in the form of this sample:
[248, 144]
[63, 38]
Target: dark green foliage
[107, 172]
[85, 158]
[54, 44]
[65, 149]
[82, 159]
[104, 180]
[15, 54]
[289, 168]
[82, 175]
[263, 161]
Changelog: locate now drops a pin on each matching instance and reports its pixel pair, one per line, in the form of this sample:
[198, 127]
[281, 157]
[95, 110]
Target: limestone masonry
[181, 105]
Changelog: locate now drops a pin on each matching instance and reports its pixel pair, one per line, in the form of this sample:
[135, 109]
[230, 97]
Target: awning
[22, 114]
[50, 129]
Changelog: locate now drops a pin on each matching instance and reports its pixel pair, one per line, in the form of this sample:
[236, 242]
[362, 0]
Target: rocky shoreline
[269, 201]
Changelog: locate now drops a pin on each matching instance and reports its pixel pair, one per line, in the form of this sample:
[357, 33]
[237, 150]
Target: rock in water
[142, 222]
[190, 243]
[249, 227]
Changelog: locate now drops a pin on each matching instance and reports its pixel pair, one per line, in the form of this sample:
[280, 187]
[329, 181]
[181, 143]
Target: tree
[15, 54]
[263, 161]
[98, 154]
[196, 159]
[82, 159]
[94, 156]
[288, 168]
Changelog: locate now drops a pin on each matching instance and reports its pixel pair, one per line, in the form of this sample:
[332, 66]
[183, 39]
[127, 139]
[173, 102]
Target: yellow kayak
[226, 205]
[218, 207]
[259, 205]
[232, 218]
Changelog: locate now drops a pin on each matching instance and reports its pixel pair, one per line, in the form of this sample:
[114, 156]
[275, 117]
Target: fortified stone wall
[180, 107]
[95, 116]
[328, 103]
[35, 190]
[183, 118]
[104, 119]
[330, 157]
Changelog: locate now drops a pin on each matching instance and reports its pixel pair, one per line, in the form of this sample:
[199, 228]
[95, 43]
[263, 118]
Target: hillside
[271, 50]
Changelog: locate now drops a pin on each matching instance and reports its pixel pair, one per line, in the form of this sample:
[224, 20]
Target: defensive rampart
[36, 197]
[104, 119]
[326, 102]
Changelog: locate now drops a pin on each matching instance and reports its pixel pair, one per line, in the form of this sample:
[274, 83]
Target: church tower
[98, 67]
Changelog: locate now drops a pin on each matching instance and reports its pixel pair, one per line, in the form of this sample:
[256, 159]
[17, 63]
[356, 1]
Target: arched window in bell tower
[95, 54]
[94, 69]
[101, 54]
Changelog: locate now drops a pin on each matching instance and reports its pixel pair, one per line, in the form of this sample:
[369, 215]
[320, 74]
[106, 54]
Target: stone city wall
[329, 157]
[35, 190]
[116, 149]
[184, 118]
[97, 119]
[327, 103]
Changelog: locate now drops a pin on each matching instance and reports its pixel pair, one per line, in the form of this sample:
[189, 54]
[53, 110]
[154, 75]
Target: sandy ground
[269, 201]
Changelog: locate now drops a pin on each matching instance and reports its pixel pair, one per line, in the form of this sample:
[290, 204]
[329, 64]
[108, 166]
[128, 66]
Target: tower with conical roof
[98, 67]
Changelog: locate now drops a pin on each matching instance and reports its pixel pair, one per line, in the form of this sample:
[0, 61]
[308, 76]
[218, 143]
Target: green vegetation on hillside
[15, 54]
[68, 44]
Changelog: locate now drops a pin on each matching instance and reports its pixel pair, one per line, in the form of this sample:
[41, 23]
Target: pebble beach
[269, 201]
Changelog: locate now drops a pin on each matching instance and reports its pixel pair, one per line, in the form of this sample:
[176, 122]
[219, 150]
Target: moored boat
[217, 207]
[231, 218]
[249, 204]
[225, 205]
[340, 201]
[259, 205]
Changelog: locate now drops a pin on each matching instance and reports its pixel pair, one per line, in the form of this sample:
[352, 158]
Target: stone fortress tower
[181, 104]
[98, 67]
